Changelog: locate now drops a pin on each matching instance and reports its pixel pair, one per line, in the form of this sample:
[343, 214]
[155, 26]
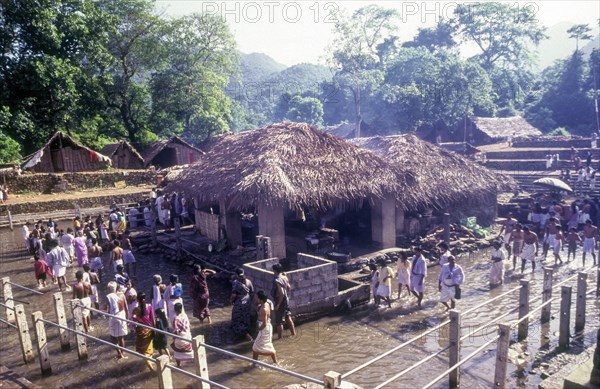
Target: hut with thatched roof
[294, 166]
[448, 180]
[123, 155]
[171, 152]
[63, 153]
[483, 131]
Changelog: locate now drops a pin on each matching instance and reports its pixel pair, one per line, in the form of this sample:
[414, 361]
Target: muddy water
[338, 342]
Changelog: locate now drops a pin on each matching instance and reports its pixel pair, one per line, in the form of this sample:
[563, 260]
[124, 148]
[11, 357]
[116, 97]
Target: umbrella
[553, 183]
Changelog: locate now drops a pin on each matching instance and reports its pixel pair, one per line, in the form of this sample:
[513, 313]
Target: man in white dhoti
[117, 306]
[590, 232]
[499, 255]
[451, 277]
[417, 275]
[530, 248]
[263, 344]
[384, 288]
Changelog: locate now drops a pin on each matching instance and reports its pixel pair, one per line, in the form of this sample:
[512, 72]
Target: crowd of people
[83, 245]
[411, 274]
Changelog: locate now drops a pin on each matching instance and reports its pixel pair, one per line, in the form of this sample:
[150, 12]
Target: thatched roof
[156, 147]
[500, 128]
[110, 149]
[293, 164]
[343, 130]
[64, 140]
[442, 176]
[460, 147]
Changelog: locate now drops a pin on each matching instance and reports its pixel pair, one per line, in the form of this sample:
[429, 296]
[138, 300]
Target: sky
[300, 31]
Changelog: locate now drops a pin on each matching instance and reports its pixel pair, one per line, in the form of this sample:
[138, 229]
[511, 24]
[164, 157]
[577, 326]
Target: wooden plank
[523, 310]
[8, 300]
[502, 356]
[24, 336]
[42, 342]
[200, 361]
[547, 294]
[454, 351]
[82, 352]
[61, 319]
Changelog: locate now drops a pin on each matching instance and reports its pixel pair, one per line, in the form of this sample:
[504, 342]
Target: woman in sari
[181, 326]
[172, 296]
[199, 292]
[144, 314]
[241, 297]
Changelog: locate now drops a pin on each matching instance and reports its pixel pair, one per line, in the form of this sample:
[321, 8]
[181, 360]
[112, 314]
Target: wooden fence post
[454, 352]
[523, 310]
[42, 342]
[200, 361]
[61, 318]
[580, 303]
[446, 222]
[165, 381]
[153, 224]
[565, 317]
[547, 294]
[8, 299]
[10, 220]
[332, 380]
[177, 224]
[78, 324]
[598, 283]
[502, 356]
[24, 337]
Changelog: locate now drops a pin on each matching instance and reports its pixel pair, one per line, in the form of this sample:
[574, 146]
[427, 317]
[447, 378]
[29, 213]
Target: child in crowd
[42, 270]
[573, 240]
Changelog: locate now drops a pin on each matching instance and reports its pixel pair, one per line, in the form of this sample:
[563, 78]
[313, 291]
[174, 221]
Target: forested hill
[255, 67]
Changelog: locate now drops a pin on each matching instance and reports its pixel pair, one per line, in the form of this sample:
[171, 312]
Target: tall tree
[187, 93]
[305, 109]
[502, 32]
[580, 32]
[439, 37]
[354, 53]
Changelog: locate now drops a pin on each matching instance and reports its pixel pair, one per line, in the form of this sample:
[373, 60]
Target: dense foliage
[107, 70]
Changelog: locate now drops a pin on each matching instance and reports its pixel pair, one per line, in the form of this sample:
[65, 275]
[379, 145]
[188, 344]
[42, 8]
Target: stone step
[533, 153]
[554, 143]
[517, 165]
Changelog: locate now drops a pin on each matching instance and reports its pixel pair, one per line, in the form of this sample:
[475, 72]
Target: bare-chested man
[263, 344]
[95, 254]
[516, 238]
[531, 247]
[507, 227]
[116, 255]
[549, 234]
[128, 257]
[83, 290]
[590, 232]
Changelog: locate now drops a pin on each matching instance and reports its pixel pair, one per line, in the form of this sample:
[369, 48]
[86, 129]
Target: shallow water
[338, 342]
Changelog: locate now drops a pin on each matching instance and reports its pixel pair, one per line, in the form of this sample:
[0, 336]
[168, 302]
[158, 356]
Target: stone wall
[49, 182]
[314, 280]
[553, 142]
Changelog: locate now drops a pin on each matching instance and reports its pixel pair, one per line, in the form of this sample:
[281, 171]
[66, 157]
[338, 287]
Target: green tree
[502, 32]
[355, 55]
[187, 93]
[305, 109]
[10, 151]
[439, 37]
[580, 32]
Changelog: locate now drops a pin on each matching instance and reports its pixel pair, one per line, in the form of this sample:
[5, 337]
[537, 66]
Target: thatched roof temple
[290, 164]
[444, 177]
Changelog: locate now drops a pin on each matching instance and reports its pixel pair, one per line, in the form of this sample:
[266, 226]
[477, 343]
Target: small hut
[123, 155]
[446, 179]
[171, 152]
[482, 131]
[63, 153]
[292, 167]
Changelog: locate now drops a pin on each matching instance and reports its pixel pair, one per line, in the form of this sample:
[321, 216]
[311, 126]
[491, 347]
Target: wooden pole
[165, 381]
[598, 283]
[42, 342]
[446, 222]
[10, 220]
[8, 300]
[24, 337]
[502, 356]
[547, 294]
[82, 352]
[580, 303]
[61, 318]
[565, 317]
[177, 224]
[153, 224]
[200, 361]
[332, 380]
[523, 310]
[454, 352]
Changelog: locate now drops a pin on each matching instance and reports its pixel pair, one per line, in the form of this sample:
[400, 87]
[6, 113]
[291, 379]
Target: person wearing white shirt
[451, 277]
[499, 255]
[25, 232]
[444, 253]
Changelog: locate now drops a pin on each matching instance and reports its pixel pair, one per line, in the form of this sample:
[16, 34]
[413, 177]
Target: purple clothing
[81, 251]
[200, 296]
